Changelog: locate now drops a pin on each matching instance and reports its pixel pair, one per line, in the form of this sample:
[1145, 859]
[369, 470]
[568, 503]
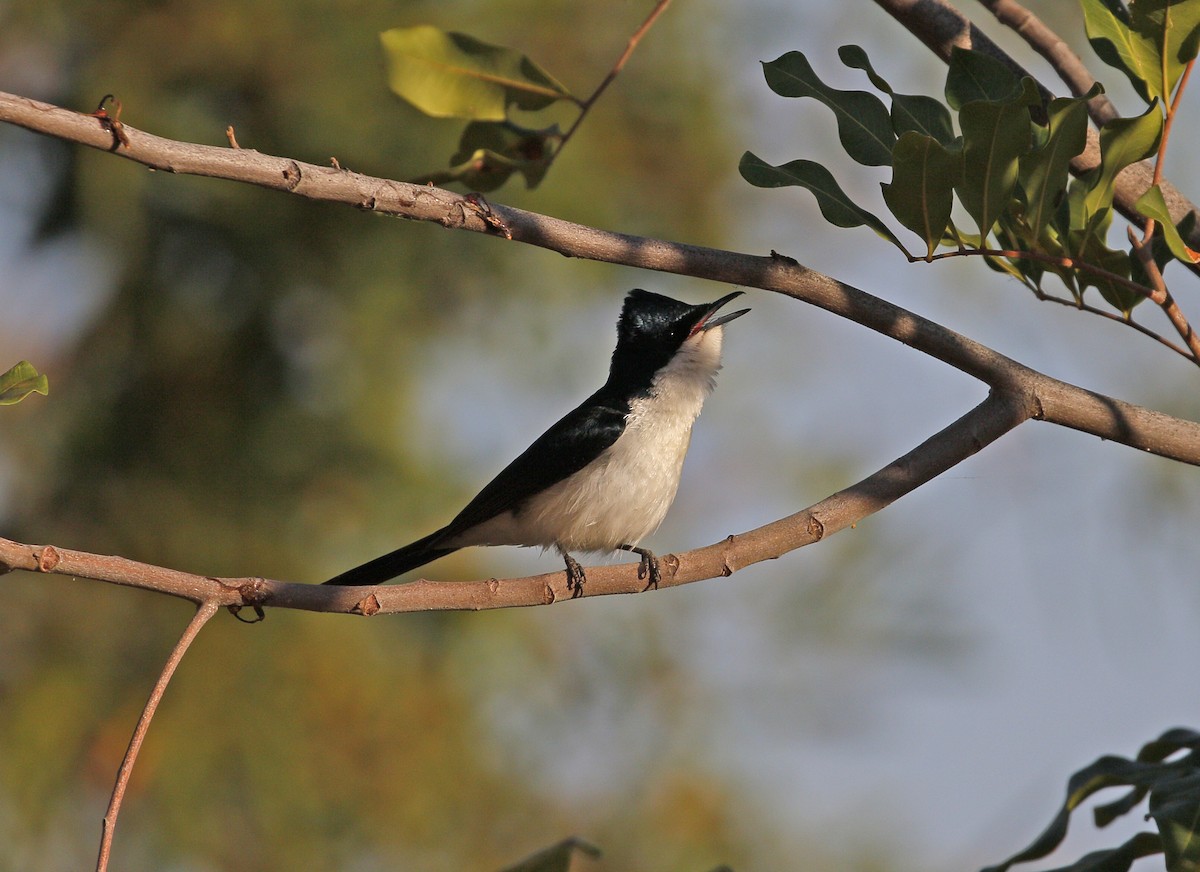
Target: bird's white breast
[622, 496]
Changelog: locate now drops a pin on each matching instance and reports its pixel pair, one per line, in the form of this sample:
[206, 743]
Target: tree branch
[1058, 402]
[998, 414]
[1018, 392]
[1070, 68]
[108, 825]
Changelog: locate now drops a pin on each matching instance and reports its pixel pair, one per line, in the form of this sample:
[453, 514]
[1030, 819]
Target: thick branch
[1050, 45]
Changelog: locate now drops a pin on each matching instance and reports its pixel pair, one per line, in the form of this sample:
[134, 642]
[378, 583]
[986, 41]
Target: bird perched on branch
[603, 477]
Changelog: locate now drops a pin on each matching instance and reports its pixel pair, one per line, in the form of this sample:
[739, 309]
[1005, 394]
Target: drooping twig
[1157, 293]
[108, 825]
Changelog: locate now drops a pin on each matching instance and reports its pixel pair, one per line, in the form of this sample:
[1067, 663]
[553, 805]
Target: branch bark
[1018, 392]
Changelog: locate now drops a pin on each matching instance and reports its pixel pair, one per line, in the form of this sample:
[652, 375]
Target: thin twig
[1050, 45]
[203, 613]
[1157, 294]
[1162, 297]
[586, 105]
[1112, 316]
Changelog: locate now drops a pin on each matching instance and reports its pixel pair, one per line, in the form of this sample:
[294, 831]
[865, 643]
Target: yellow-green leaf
[21, 381]
[452, 75]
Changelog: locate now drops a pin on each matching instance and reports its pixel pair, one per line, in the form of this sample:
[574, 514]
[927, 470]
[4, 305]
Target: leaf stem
[659, 8]
[1158, 294]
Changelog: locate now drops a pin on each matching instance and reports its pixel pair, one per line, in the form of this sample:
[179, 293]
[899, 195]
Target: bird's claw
[575, 576]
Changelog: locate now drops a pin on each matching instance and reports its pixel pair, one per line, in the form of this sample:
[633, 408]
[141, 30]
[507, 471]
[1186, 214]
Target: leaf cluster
[1007, 168]
[453, 75]
[1168, 771]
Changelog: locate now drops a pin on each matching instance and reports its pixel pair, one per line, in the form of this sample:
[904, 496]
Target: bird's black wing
[567, 447]
[576, 440]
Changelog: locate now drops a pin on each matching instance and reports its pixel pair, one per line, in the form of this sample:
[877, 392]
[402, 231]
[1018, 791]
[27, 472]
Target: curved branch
[1057, 401]
[990, 420]
[1018, 392]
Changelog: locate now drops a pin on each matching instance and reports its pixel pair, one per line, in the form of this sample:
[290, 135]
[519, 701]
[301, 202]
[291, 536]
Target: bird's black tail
[398, 562]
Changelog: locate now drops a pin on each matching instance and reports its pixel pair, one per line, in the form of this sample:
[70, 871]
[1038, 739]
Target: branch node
[548, 596]
[233, 143]
[816, 529]
[47, 559]
[367, 606]
[292, 175]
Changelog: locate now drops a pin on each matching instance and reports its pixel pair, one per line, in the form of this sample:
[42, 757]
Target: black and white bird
[603, 477]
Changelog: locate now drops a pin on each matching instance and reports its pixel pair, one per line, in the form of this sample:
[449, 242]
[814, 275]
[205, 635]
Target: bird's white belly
[623, 495]
[618, 499]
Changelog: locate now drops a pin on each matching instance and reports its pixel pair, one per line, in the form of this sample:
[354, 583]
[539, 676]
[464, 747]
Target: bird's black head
[653, 328]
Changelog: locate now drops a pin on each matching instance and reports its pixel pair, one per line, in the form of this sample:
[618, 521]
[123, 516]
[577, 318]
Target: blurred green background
[246, 383]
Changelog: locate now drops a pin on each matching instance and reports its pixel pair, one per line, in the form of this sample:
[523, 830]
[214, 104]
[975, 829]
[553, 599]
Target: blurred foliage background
[248, 383]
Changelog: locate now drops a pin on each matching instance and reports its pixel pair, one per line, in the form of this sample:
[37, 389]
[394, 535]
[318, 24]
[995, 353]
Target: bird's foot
[648, 568]
[575, 576]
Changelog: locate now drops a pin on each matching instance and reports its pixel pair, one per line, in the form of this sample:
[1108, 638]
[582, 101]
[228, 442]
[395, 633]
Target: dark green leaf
[864, 126]
[1117, 859]
[1175, 807]
[556, 858]
[836, 207]
[1123, 141]
[909, 111]
[922, 115]
[1152, 205]
[921, 193]
[855, 57]
[448, 74]
[21, 381]
[1173, 740]
[995, 135]
[974, 76]
[1118, 263]
[1044, 172]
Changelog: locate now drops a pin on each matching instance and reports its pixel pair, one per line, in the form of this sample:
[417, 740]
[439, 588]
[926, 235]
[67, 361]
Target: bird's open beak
[708, 322]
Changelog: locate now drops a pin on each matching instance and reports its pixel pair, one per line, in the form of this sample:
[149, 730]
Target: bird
[602, 478]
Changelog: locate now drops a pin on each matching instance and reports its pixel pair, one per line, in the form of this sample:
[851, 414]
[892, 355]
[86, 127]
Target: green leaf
[21, 381]
[1151, 42]
[556, 858]
[1043, 173]
[1153, 205]
[447, 74]
[921, 193]
[975, 76]
[1172, 26]
[1116, 43]
[836, 207]
[914, 112]
[1118, 859]
[1118, 295]
[864, 126]
[1123, 141]
[995, 135]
